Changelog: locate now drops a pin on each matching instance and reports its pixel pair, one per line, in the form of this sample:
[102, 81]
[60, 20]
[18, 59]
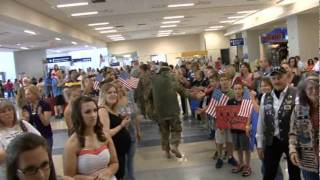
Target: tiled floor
[151, 164]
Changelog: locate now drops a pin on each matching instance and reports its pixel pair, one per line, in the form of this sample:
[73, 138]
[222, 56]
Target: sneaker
[219, 163]
[232, 161]
[176, 152]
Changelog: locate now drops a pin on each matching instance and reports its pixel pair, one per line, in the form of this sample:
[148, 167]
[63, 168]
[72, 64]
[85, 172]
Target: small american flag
[125, 83]
[218, 99]
[134, 82]
[96, 85]
[246, 105]
[220, 72]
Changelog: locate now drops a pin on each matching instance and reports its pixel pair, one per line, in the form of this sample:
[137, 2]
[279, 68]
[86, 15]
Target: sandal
[238, 169]
[246, 172]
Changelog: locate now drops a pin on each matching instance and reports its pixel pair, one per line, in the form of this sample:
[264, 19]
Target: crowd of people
[103, 110]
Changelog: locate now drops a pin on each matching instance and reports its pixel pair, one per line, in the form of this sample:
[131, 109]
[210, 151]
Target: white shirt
[276, 106]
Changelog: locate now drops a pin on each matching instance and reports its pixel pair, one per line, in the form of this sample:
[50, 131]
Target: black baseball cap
[277, 70]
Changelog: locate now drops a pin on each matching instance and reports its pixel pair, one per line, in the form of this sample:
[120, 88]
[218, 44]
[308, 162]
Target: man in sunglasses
[274, 124]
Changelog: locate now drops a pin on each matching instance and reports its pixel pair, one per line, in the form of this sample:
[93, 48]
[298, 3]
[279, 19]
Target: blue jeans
[129, 169]
[279, 175]
[307, 175]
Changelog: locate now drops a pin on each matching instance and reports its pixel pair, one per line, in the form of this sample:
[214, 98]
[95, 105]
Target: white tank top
[92, 160]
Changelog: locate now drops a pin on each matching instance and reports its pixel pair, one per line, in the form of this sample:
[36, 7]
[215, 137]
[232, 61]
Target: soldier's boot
[176, 152]
[168, 154]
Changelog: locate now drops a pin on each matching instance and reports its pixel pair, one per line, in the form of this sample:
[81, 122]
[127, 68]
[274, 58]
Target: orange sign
[227, 118]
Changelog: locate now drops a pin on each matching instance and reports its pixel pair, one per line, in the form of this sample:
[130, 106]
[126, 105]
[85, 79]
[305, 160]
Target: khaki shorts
[223, 136]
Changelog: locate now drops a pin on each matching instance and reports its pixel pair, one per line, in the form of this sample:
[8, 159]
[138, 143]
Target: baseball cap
[277, 70]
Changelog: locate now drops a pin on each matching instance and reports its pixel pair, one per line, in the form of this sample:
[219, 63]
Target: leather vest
[284, 115]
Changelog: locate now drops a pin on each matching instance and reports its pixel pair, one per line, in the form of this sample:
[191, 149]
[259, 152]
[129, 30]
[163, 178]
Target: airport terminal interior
[159, 89]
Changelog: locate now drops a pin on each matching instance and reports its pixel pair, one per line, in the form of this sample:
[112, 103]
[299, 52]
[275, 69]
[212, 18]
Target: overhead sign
[81, 60]
[275, 36]
[237, 42]
[59, 59]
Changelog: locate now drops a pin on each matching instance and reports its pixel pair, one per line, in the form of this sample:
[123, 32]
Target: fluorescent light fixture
[115, 35]
[170, 22]
[18, 44]
[168, 26]
[85, 13]
[227, 21]
[247, 12]
[30, 32]
[72, 4]
[57, 39]
[86, 46]
[127, 55]
[24, 48]
[109, 31]
[0, 45]
[180, 5]
[160, 34]
[165, 35]
[118, 39]
[286, 2]
[58, 51]
[74, 43]
[98, 24]
[103, 28]
[173, 17]
[164, 31]
[212, 29]
[115, 39]
[215, 27]
[236, 17]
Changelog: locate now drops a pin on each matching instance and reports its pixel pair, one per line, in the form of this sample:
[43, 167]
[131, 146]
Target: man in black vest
[274, 124]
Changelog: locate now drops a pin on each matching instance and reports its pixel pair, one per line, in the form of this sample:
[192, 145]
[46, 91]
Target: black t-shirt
[233, 101]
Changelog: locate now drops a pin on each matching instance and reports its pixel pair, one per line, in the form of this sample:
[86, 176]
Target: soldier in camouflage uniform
[164, 93]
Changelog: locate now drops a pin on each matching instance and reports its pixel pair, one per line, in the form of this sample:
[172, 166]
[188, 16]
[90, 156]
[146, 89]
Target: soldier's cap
[277, 70]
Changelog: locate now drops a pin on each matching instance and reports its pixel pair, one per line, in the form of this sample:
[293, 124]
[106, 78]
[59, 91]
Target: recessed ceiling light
[179, 33]
[103, 28]
[173, 17]
[98, 24]
[164, 31]
[72, 4]
[247, 12]
[18, 44]
[85, 13]
[165, 35]
[115, 35]
[159, 34]
[24, 48]
[180, 5]
[211, 29]
[30, 32]
[227, 21]
[57, 39]
[215, 27]
[167, 26]
[170, 22]
[74, 43]
[117, 38]
[236, 17]
[110, 31]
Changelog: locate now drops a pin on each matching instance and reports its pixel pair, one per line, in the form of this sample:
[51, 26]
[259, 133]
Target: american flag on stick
[218, 99]
[96, 85]
[131, 83]
[246, 105]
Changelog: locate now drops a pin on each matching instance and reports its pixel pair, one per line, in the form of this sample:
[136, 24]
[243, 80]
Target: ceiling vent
[98, 1]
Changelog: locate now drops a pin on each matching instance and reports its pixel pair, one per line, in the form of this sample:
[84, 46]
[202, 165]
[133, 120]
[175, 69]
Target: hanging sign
[237, 42]
[81, 60]
[59, 59]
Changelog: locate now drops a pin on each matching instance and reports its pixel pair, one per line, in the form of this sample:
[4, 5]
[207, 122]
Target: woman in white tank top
[89, 154]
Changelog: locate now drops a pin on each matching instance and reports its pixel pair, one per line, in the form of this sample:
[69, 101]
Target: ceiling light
[165, 35]
[118, 39]
[0, 45]
[115, 35]
[72, 4]
[159, 34]
[167, 26]
[247, 12]
[18, 44]
[179, 33]
[30, 32]
[236, 17]
[228, 21]
[86, 46]
[110, 31]
[285, 2]
[216, 27]
[170, 22]
[74, 43]
[98, 24]
[58, 51]
[180, 5]
[211, 29]
[57, 39]
[24, 48]
[103, 28]
[173, 17]
[127, 55]
[164, 31]
[85, 13]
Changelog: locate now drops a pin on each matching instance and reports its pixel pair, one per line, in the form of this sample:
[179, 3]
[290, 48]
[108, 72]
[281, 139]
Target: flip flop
[238, 169]
[246, 172]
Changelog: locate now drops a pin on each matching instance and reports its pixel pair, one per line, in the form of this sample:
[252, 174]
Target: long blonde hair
[34, 90]
[103, 93]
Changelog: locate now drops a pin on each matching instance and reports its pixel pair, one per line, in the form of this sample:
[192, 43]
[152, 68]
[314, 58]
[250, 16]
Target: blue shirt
[55, 89]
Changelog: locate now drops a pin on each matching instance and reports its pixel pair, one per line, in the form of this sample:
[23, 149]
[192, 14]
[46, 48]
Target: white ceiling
[130, 13]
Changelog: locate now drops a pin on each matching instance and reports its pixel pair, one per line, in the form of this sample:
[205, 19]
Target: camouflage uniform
[164, 93]
[143, 94]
